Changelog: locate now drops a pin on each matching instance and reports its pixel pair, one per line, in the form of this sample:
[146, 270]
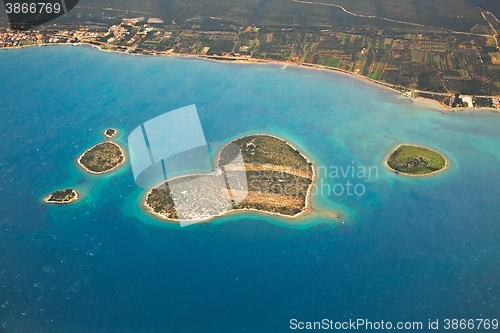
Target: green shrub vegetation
[415, 160]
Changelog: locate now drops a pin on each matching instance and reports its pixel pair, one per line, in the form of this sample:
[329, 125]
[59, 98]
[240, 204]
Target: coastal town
[456, 69]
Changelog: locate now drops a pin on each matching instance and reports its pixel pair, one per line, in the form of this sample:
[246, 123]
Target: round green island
[414, 160]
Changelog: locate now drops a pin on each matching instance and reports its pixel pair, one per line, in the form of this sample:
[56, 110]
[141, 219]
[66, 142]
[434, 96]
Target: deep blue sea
[411, 249]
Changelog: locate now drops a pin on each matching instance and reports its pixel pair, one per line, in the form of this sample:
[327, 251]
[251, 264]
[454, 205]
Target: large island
[278, 179]
[414, 160]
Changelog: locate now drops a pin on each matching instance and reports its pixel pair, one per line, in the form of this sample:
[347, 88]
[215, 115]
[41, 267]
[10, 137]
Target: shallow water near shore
[411, 248]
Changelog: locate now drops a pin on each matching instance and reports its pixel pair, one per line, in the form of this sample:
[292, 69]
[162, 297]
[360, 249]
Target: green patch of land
[102, 158]
[277, 177]
[62, 197]
[416, 161]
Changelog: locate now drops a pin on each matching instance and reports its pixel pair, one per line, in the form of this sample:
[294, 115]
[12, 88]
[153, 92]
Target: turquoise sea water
[411, 249]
